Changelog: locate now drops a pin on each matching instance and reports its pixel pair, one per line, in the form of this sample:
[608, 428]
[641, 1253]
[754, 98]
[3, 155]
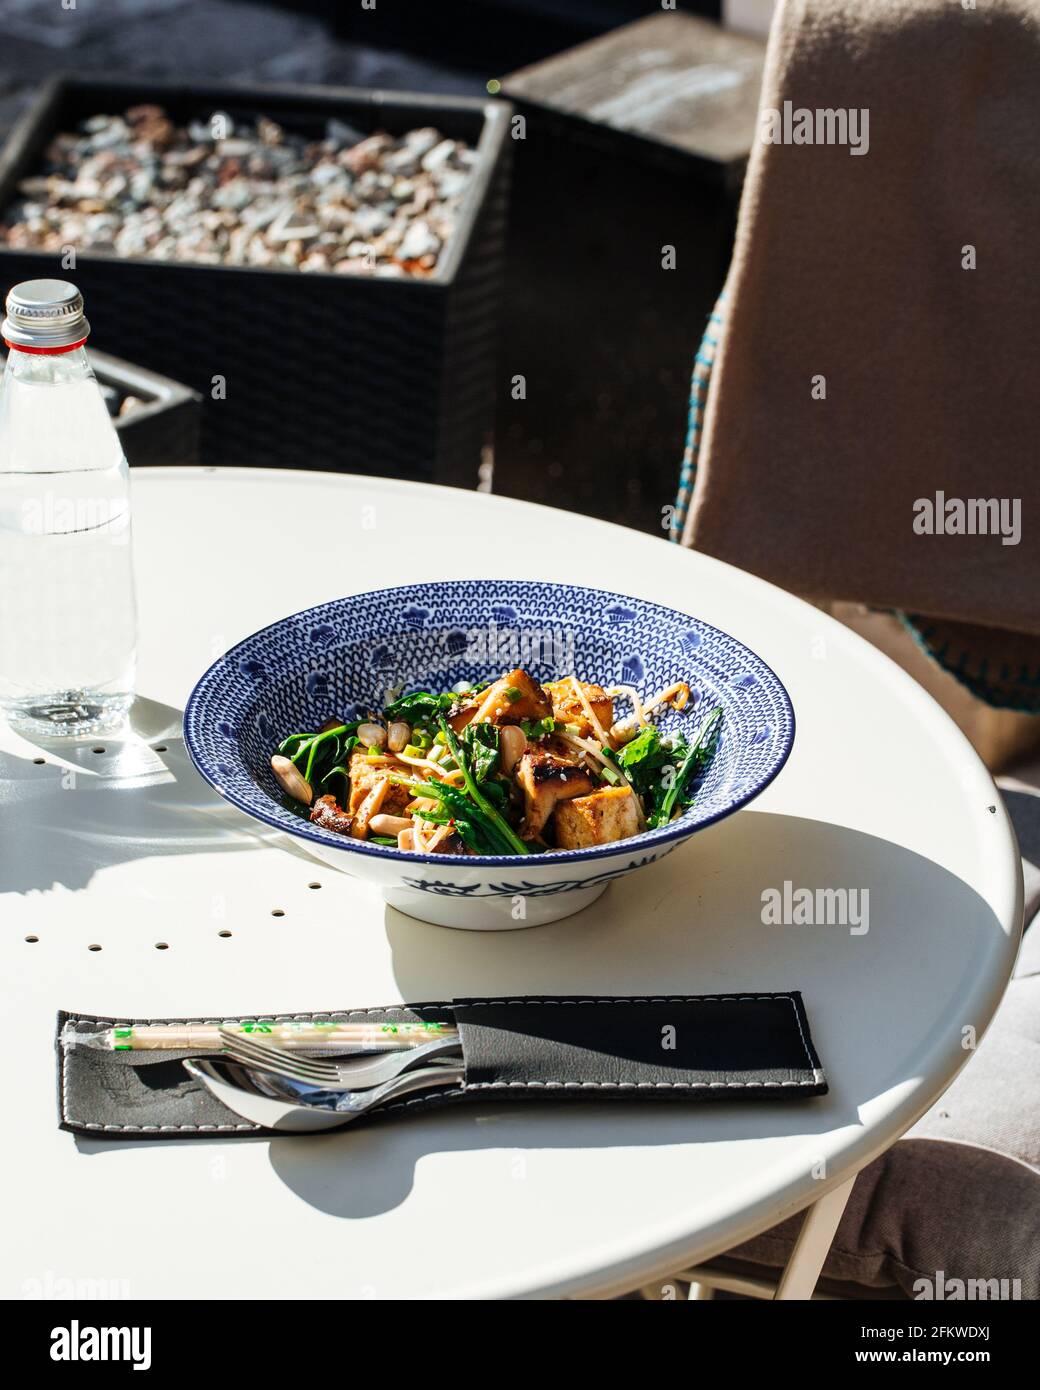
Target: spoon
[280, 1103]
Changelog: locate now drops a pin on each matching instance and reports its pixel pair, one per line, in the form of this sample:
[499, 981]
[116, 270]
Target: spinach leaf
[424, 707]
[663, 767]
[478, 827]
[643, 758]
[290, 746]
[496, 823]
[673, 788]
[420, 704]
[342, 765]
[497, 794]
[481, 742]
[325, 751]
[316, 754]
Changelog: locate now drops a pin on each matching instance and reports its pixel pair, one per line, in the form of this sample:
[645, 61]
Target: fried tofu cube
[598, 819]
[546, 780]
[463, 716]
[515, 697]
[364, 774]
[568, 709]
[371, 806]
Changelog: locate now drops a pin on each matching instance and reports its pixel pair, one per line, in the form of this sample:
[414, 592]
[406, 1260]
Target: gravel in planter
[252, 194]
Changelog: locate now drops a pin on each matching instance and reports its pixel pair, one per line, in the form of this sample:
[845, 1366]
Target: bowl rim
[677, 830]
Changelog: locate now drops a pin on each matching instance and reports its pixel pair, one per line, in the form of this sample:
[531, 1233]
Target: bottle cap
[44, 316]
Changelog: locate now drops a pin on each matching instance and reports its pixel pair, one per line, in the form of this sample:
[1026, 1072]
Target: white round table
[145, 894]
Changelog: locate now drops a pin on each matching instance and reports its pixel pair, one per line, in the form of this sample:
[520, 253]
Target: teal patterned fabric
[702, 365]
[999, 667]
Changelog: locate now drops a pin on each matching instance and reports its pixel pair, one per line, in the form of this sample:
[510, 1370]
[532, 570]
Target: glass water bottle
[67, 609]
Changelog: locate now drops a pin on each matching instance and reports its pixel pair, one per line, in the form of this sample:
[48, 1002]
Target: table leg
[803, 1267]
[814, 1240]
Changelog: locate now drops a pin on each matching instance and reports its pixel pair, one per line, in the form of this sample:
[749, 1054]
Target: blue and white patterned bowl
[344, 657]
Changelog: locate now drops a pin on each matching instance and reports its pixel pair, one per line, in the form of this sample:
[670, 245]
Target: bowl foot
[490, 914]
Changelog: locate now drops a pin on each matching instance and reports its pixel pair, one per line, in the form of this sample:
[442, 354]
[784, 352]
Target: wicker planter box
[164, 428]
[345, 372]
[637, 141]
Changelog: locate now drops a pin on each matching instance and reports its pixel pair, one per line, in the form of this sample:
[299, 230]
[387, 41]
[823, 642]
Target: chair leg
[802, 1272]
[814, 1240]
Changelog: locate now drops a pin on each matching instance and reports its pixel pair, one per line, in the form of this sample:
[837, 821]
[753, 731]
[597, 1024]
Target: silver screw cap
[44, 314]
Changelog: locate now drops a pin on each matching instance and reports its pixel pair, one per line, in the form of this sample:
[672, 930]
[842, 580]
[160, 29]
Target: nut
[512, 744]
[399, 735]
[291, 779]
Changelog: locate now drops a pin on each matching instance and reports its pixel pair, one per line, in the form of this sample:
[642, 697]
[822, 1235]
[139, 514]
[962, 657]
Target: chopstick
[353, 1037]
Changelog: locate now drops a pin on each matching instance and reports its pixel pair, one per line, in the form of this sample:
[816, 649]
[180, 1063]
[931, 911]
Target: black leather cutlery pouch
[548, 1048]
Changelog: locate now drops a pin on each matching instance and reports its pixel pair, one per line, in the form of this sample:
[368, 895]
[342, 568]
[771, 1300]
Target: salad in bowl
[509, 766]
[489, 753]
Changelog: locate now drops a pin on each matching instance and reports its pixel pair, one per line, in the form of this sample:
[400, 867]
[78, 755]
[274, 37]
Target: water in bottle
[67, 611]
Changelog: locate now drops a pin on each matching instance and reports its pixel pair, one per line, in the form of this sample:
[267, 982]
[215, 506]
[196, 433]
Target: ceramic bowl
[344, 657]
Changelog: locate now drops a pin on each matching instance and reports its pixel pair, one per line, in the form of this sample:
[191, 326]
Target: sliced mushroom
[368, 808]
[399, 735]
[291, 779]
[389, 825]
[512, 745]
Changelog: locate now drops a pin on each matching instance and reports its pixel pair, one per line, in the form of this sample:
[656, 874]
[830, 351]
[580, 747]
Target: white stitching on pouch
[173, 1023]
[814, 1080]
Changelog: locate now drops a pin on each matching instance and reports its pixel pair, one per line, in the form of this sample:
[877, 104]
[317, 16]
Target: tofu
[568, 709]
[515, 697]
[363, 777]
[370, 806]
[465, 716]
[545, 781]
[607, 815]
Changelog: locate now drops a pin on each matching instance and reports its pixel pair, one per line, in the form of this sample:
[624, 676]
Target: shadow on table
[885, 1004]
[134, 793]
[372, 1170]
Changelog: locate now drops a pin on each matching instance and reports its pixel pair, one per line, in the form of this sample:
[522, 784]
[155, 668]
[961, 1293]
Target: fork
[352, 1073]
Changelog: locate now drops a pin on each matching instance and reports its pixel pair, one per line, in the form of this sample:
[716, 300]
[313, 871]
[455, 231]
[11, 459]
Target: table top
[134, 852]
